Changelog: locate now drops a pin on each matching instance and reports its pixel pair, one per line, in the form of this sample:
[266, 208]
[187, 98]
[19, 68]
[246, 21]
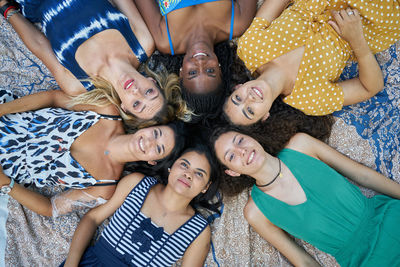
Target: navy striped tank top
[136, 241]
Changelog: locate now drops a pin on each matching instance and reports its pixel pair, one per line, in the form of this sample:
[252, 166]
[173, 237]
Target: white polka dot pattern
[305, 24]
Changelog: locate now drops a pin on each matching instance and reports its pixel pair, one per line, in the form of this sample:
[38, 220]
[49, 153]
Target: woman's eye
[199, 174]
[250, 110]
[231, 157]
[210, 70]
[155, 133]
[136, 103]
[149, 91]
[238, 98]
[159, 149]
[184, 165]
[192, 72]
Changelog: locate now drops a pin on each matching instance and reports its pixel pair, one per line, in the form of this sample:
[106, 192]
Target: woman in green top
[301, 192]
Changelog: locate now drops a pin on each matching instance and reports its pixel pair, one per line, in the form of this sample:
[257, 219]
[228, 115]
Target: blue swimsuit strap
[171, 47]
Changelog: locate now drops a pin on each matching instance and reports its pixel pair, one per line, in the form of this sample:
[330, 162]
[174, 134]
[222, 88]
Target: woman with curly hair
[299, 55]
[273, 134]
[193, 28]
[97, 40]
[302, 191]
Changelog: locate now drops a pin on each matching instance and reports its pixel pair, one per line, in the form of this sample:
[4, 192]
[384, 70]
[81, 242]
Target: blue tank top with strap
[166, 6]
[69, 23]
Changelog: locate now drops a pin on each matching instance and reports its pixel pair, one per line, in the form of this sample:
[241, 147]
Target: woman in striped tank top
[153, 224]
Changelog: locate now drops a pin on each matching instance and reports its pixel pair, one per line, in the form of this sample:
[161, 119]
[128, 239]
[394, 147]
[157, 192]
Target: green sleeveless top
[336, 217]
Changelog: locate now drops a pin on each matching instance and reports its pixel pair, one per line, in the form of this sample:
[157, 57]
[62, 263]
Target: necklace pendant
[106, 152]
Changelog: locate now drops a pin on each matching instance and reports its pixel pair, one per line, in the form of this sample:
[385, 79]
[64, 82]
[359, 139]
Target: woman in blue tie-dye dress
[93, 39]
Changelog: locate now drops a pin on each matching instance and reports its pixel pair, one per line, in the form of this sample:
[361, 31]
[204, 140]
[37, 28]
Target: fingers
[335, 26]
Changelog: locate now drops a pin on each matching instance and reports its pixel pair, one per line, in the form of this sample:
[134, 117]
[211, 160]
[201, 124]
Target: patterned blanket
[368, 132]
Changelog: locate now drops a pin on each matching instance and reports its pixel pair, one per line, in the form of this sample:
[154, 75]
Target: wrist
[8, 7]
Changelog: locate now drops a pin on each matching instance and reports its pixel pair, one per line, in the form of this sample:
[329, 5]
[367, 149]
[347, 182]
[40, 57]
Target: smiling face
[139, 95]
[200, 70]
[239, 153]
[249, 103]
[153, 143]
[190, 174]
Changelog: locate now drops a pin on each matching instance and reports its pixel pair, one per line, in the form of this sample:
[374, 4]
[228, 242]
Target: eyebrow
[245, 114]
[234, 102]
[199, 169]
[209, 75]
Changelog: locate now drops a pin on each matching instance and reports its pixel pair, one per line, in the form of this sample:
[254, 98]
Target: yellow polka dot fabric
[325, 53]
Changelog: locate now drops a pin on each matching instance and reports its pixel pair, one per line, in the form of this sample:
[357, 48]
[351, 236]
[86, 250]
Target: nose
[135, 89]
[241, 151]
[151, 142]
[188, 175]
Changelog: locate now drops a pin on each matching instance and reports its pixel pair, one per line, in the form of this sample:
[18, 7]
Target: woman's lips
[184, 182]
[258, 92]
[140, 144]
[198, 54]
[128, 84]
[251, 157]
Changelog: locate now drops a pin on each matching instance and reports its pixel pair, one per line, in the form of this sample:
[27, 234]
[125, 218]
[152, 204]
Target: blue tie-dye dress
[69, 23]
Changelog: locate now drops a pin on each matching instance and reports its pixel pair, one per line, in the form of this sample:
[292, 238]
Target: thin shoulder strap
[171, 46]
[232, 20]
[111, 117]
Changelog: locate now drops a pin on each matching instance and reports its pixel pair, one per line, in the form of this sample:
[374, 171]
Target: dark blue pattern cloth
[378, 119]
[132, 239]
[69, 23]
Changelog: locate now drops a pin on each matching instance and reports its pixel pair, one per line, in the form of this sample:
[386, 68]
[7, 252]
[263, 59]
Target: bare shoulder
[302, 142]
[245, 11]
[131, 180]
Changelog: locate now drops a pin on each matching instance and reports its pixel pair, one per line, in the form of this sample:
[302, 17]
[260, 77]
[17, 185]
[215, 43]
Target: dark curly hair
[208, 106]
[273, 134]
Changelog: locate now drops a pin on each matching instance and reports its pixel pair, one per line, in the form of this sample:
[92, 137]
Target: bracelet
[8, 6]
[12, 12]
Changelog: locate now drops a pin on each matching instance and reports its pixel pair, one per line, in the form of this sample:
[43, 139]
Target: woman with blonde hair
[94, 40]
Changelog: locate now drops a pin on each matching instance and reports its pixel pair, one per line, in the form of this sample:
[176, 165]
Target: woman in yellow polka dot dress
[301, 54]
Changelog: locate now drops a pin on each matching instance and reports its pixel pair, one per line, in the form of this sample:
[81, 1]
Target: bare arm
[271, 9]
[277, 237]
[59, 204]
[87, 226]
[128, 8]
[349, 168]
[40, 46]
[370, 80]
[244, 14]
[32, 200]
[35, 101]
[198, 250]
[154, 21]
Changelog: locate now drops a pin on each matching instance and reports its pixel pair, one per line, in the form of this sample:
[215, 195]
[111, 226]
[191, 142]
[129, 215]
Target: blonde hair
[169, 85]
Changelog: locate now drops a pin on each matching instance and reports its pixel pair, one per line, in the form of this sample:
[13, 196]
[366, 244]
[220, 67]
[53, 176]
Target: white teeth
[200, 54]
[257, 92]
[141, 144]
[251, 157]
[129, 85]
